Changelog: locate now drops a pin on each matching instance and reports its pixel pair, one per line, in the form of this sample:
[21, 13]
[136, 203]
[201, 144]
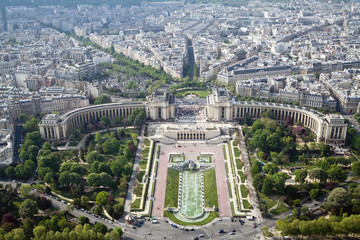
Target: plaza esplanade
[220, 106]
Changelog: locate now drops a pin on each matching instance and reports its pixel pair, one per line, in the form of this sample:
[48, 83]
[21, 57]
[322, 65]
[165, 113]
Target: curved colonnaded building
[330, 129]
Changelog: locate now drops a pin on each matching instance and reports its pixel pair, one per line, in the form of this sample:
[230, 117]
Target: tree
[119, 230]
[31, 125]
[23, 117]
[116, 169]
[22, 171]
[267, 186]
[10, 172]
[9, 218]
[16, 233]
[356, 168]
[106, 180]
[113, 235]
[102, 99]
[318, 173]
[64, 178]
[138, 115]
[337, 200]
[82, 220]
[23, 154]
[131, 85]
[28, 209]
[255, 168]
[270, 168]
[101, 198]
[257, 125]
[84, 201]
[300, 175]
[314, 193]
[99, 227]
[111, 147]
[106, 120]
[28, 225]
[325, 149]
[289, 228]
[44, 203]
[258, 180]
[25, 190]
[94, 156]
[94, 180]
[35, 137]
[118, 210]
[289, 121]
[39, 232]
[337, 174]
[267, 114]
[75, 135]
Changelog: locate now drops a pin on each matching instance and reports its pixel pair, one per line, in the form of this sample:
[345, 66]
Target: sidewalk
[133, 179]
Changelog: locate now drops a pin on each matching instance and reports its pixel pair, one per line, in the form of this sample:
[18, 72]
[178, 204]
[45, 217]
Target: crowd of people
[189, 112]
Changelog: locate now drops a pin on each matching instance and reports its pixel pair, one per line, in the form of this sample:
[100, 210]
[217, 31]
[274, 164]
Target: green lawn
[252, 159]
[171, 216]
[268, 200]
[140, 176]
[224, 151]
[246, 204]
[157, 151]
[136, 203]
[177, 158]
[143, 164]
[237, 197]
[229, 189]
[244, 191]
[237, 152]
[227, 169]
[242, 176]
[122, 201]
[17, 204]
[138, 190]
[145, 152]
[280, 209]
[147, 142]
[199, 93]
[211, 198]
[239, 164]
[232, 208]
[172, 188]
[153, 188]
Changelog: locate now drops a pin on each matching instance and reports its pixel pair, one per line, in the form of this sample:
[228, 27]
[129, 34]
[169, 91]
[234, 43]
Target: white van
[155, 221]
[250, 218]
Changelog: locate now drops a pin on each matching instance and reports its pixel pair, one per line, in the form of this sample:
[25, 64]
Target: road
[353, 122]
[191, 59]
[163, 229]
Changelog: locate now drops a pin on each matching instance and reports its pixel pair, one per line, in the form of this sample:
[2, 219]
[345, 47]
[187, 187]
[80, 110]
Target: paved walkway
[222, 186]
[133, 179]
[252, 192]
[160, 187]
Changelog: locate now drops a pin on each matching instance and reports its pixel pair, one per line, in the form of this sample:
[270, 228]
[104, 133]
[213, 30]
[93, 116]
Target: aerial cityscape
[221, 119]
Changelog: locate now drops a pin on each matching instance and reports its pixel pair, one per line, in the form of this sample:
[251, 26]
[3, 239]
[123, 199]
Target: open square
[192, 197]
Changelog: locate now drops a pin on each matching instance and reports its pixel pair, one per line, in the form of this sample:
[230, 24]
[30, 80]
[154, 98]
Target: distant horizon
[124, 3]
